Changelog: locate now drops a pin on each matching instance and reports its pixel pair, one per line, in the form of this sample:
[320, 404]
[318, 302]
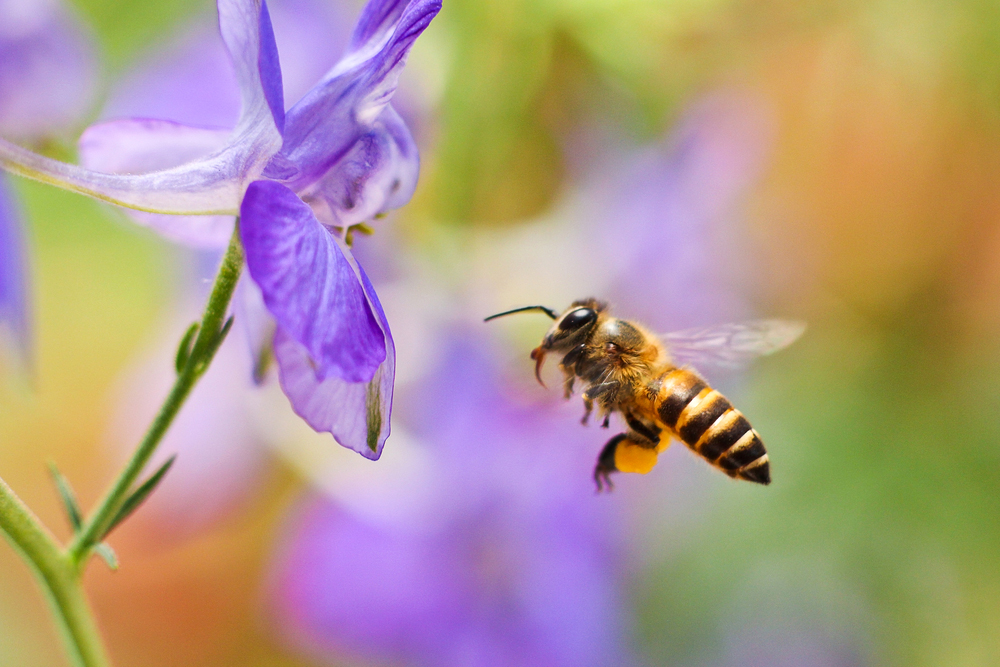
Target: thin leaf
[139, 495]
[184, 349]
[107, 554]
[68, 498]
[262, 363]
[222, 334]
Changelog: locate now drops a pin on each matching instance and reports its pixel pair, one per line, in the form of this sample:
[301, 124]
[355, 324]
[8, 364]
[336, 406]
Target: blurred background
[692, 161]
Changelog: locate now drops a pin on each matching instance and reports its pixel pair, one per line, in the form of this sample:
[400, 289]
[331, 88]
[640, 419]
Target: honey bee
[632, 372]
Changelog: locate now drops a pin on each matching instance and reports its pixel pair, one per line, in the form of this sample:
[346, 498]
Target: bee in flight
[631, 371]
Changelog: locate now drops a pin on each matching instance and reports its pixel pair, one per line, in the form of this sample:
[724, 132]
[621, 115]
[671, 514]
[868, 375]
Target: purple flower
[496, 553]
[46, 83]
[337, 158]
[14, 317]
[191, 82]
[47, 71]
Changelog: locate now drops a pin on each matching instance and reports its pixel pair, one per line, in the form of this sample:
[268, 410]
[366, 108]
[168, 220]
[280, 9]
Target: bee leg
[569, 361]
[568, 385]
[588, 407]
[597, 390]
[651, 433]
[606, 464]
[607, 420]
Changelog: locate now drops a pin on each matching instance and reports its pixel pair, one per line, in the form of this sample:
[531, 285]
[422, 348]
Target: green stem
[60, 571]
[59, 577]
[201, 355]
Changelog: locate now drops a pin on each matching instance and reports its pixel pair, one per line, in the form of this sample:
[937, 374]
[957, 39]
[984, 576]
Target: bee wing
[732, 345]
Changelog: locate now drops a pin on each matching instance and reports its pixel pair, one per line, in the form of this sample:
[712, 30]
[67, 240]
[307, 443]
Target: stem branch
[59, 577]
[204, 348]
[60, 571]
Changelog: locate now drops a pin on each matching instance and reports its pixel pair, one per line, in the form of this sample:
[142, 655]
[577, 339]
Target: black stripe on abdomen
[700, 414]
[758, 471]
[677, 388]
[747, 450]
[723, 434]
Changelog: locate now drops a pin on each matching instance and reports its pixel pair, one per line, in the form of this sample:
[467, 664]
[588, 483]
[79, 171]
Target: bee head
[571, 328]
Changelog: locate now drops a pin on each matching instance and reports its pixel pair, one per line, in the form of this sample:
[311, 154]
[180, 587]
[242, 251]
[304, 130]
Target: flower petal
[47, 69]
[139, 145]
[379, 173]
[14, 318]
[246, 29]
[309, 285]
[212, 184]
[356, 414]
[377, 19]
[325, 124]
[192, 79]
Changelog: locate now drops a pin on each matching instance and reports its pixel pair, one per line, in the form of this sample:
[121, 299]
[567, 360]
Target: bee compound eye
[578, 318]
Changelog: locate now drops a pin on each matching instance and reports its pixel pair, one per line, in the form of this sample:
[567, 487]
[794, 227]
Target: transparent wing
[732, 345]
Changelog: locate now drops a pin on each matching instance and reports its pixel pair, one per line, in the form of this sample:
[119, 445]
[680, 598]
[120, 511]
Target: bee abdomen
[709, 424]
[677, 388]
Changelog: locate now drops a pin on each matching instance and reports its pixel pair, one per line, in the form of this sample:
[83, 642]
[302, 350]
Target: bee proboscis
[632, 372]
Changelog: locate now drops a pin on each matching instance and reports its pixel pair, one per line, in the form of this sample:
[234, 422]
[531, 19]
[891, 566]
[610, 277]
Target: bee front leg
[568, 366]
[588, 407]
[568, 385]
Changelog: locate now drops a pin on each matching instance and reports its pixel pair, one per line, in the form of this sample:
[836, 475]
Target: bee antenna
[548, 311]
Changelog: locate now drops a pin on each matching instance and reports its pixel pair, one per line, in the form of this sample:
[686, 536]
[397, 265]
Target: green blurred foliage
[880, 529]
[524, 73]
[125, 28]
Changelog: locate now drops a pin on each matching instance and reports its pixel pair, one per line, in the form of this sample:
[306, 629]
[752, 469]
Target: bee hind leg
[649, 432]
[606, 464]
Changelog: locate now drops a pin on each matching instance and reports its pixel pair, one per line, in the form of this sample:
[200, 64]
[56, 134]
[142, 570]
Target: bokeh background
[693, 161]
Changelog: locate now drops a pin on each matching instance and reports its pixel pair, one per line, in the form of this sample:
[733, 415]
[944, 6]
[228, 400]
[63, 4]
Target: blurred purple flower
[47, 69]
[655, 231]
[14, 312]
[339, 157]
[46, 83]
[507, 558]
[672, 209]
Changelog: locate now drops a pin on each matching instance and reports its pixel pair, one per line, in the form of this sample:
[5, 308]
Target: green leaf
[139, 495]
[205, 358]
[68, 498]
[222, 334]
[262, 364]
[107, 554]
[184, 349]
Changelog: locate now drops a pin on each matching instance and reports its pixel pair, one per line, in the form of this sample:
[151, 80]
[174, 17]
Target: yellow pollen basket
[630, 457]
